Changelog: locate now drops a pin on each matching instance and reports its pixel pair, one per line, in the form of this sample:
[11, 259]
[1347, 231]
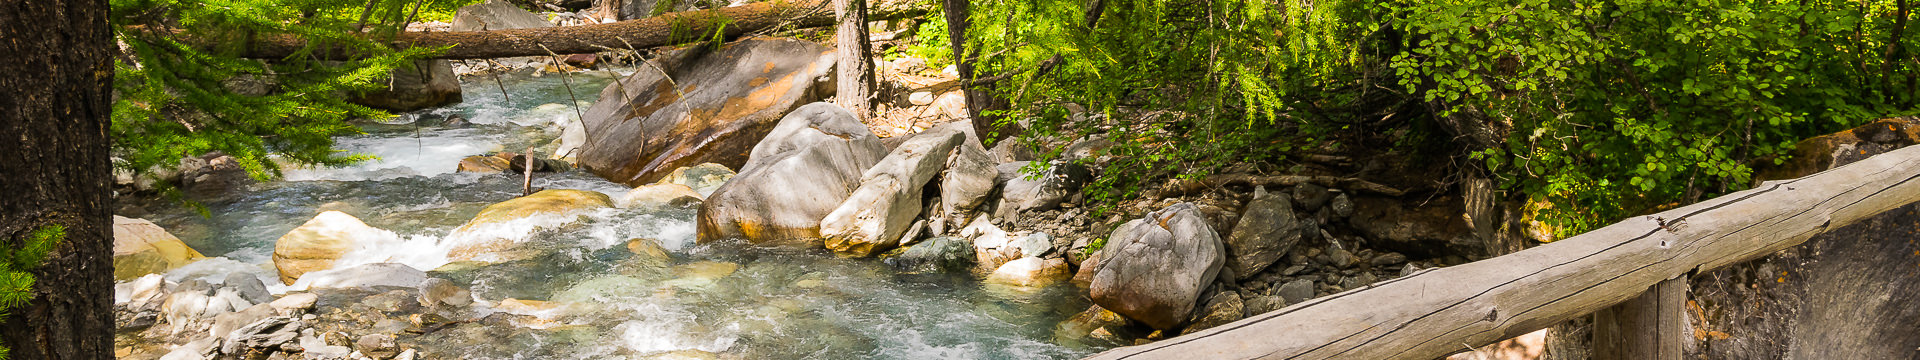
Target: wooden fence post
[1652, 326]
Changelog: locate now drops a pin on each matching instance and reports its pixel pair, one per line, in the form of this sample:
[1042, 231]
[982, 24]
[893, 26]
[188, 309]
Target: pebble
[1296, 291]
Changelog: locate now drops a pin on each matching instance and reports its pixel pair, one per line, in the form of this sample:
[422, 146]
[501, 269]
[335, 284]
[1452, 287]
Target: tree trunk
[666, 29]
[1438, 312]
[854, 70]
[56, 62]
[977, 96]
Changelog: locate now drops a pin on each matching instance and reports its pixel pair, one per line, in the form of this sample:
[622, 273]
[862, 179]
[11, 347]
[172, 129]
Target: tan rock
[483, 238]
[315, 245]
[141, 248]
[1030, 272]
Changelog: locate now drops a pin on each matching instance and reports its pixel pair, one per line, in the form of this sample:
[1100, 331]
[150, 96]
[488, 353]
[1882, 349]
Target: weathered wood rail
[1437, 312]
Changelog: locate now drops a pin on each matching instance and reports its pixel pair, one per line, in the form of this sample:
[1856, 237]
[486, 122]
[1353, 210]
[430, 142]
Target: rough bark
[1652, 326]
[55, 60]
[854, 78]
[666, 29]
[1433, 313]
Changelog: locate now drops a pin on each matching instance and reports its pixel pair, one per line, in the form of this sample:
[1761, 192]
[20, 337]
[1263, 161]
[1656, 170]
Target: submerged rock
[316, 244]
[1154, 269]
[141, 248]
[703, 178]
[938, 254]
[1031, 272]
[656, 197]
[424, 84]
[804, 169]
[493, 234]
[726, 100]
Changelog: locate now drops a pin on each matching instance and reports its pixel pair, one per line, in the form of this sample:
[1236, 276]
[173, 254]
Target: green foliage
[175, 89]
[930, 42]
[16, 284]
[1618, 107]
[1182, 87]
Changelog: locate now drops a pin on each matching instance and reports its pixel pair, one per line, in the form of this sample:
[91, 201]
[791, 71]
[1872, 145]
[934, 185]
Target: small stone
[1224, 308]
[293, 303]
[1342, 206]
[377, 346]
[1389, 259]
[1339, 258]
[1409, 269]
[1296, 291]
[922, 98]
[1311, 196]
[249, 287]
[1293, 270]
[1265, 304]
[1034, 245]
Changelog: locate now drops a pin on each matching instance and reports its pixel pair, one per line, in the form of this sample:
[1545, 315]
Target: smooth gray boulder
[1266, 231]
[802, 171]
[874, 216]
[1021, 191]
[701, 105]
[969, 176]
[1153, 269]
[496, 15]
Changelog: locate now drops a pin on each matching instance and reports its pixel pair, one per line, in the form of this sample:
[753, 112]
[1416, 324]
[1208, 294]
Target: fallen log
[666, 29]
[1437, 312]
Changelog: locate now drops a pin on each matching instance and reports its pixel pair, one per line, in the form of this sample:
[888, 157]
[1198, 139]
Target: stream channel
[775, 303]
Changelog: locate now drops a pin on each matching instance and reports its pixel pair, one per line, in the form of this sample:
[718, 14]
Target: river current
[727, 298]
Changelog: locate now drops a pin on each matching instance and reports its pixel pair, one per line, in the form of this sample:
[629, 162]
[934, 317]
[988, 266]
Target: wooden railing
[1609, 271]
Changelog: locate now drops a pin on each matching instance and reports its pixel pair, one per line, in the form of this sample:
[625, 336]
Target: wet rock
[1030, 272]
[649, 251]
[938, 254]
[1094, 320]
[295, 303]
[316, 244]
[1225, 307]
[1153, 269]
[583, 61]
[493, 234]
[726, 101]
[141, 248]
[1311, 196]
[485, 164]
[368, 276]
[377, 346]
[656, 197]
[437, 292]
[1052, 187]
[888, 200]
[519, 163]
[802, 171]
[1264, 234]
[1296, 291]
[425, 84]
[703, 178]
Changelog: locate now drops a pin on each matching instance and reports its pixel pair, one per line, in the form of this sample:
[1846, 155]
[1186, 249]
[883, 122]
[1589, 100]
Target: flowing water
[729, 298]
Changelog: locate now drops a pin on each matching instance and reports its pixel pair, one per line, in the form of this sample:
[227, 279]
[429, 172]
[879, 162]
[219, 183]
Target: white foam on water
[434, 153]
[910, 344]
[670, 328]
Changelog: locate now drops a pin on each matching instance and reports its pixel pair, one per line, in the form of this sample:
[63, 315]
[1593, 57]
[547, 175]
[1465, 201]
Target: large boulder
[316, 244]
[1267, 230]
[492, 234]
[496, 15]
[1154, 269]
[889, 198]
[970, 173]
[726, 101]
[804, 169]
[1021, 191]
[141, 248]
[424, 84]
